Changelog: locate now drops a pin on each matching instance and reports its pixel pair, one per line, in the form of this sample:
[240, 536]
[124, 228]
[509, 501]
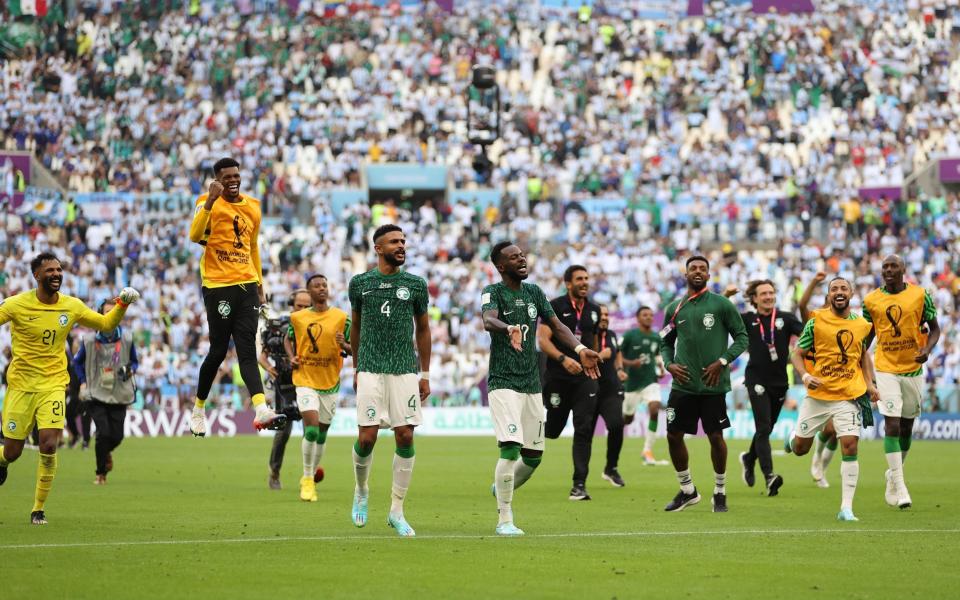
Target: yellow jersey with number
[897, 319]
[837, 344]
[314, 336]
[39, 332]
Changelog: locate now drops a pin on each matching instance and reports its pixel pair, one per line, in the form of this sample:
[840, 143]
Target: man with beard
[841, 374]
[567, 388]
[389, 307]
[227, 224]
[37, 378]
[695, 335]
[510, 311]
[898, 312]
[769, 332]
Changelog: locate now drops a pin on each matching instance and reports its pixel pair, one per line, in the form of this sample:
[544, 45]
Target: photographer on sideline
[105, 365]
[273, 358]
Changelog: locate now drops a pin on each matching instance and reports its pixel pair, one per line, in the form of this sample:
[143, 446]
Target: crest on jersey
[371, 413]
[531, 311]
[594, 316]
[224, 309]
[554, 399]
[671, 415]
[778, 323]
[12, 426]
[511, 428]
[653, 346]
[63, 320]
[709, 321]
[403, 293]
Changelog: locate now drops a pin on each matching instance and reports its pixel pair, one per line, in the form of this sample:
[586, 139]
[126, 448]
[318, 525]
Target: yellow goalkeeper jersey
[39, 332]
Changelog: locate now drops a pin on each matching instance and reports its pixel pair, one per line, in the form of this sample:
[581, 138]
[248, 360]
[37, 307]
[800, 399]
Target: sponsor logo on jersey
[63, 320]
[224, 309]
[532, 311]
[403, 293]
[709, 321]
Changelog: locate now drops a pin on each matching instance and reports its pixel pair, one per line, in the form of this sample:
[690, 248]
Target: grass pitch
[194, 518]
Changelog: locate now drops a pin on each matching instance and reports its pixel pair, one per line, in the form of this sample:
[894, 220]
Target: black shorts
[685, 410]
[232, 310]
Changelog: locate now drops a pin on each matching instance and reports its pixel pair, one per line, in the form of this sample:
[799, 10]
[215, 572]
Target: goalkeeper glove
[128, 296]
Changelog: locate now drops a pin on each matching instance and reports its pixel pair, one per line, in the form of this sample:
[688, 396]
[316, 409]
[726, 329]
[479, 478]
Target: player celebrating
[841, 374]
[769, 332]
[641, 355]
[898, 311]
[695, 352]
[387, 305]
[316, 343]
[37, 379]
[510, 312]
[226, 224]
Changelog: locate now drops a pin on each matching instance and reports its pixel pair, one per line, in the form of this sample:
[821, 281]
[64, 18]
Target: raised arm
[808, 293]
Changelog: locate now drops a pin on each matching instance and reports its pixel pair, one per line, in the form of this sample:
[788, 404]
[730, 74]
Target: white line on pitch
[360, 538]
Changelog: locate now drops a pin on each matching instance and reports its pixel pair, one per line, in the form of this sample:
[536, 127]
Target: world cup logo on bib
[844, 341]
[894, 314]
[239, 228]
[314, 337]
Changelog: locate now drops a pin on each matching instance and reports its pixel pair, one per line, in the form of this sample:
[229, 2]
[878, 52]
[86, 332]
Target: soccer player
[316, 343]
[825, 444]
[389, 308]
[640, 349]
[898, 311]
[695, 351]
[510, 311]
[567, 388]
[842, 373]
[37, 379]
[226, 223]
[769, 332]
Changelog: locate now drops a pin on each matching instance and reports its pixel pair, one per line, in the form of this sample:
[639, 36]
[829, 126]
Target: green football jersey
[645, 346]
[387, 305]
[509, 369]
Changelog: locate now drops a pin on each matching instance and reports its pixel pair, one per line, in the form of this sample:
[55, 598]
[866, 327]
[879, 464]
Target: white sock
[720, 483]
[895, 462]
[827, 455]
[504, 478]
[649, 437]
[818, 446]
[361, 469]
[521, 473]
[309, 457]
[686, 482]
[849, 473]
[402, 473]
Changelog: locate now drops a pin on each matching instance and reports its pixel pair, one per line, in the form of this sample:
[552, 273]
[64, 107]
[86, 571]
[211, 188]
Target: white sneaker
[903, 497]
[198, 422]
[890, 493]
[267, 418]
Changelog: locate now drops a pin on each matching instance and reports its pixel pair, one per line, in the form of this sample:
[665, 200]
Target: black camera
[125, 373]
[272, 337]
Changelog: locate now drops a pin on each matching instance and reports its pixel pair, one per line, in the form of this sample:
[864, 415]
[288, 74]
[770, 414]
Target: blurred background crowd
[627, 143]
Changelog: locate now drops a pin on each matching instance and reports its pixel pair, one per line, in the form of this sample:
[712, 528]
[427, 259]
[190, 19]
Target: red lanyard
[116, 351]
[773, 331]
[603, 341]
[685, 301]
[579, 312]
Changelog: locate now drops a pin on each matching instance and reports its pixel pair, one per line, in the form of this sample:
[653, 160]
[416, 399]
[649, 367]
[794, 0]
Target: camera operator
[273, 358]
[105, 365]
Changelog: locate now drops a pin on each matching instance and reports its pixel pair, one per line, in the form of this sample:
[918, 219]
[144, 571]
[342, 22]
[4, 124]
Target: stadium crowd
[714, 131]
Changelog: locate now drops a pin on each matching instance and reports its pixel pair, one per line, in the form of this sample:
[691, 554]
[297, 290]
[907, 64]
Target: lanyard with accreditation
[669, 327]
[771, 345]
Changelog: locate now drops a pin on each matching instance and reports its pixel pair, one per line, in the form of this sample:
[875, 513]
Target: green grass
[194, 518]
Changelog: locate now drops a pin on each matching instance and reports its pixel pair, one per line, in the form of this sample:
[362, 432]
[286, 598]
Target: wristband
[805, 377]
[425, 375]
[580, 348]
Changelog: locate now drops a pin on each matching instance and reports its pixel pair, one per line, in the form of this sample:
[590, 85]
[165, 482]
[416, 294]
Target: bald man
[906, 329]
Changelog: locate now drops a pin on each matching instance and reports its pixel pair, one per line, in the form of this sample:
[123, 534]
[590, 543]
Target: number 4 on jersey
[385, 308]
